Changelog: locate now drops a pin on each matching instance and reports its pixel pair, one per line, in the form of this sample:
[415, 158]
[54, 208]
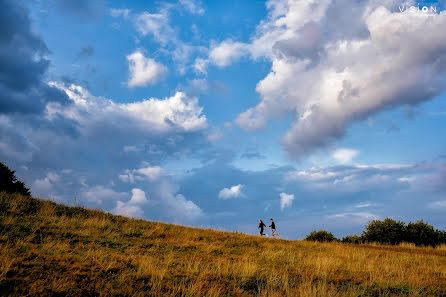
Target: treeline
[9, 182]
[389, 231]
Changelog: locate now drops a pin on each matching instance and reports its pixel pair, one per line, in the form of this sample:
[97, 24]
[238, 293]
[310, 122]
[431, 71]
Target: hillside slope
[51, 249]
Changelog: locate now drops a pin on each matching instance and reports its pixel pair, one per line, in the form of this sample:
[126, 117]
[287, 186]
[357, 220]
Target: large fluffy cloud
[176, 113]
[166, 203]
[133, 207]
[335, 63]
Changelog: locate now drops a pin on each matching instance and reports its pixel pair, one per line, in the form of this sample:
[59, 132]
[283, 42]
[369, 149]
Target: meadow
[49, 249]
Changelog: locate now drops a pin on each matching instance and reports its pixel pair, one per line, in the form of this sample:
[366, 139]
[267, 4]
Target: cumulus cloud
[344, 155]
[286, 200]
[144, 71]
[166, 203]
[133, 207]
[150, 173]
[232, 192]
[178, 112]
[222, 54]
[227, 52]
[372, 60]
[99, 194]
[43, 187]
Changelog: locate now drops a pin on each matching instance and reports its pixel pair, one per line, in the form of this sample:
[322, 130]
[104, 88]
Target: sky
[320, 114]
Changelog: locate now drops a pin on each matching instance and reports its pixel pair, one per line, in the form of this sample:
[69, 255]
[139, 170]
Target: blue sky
[320, 114]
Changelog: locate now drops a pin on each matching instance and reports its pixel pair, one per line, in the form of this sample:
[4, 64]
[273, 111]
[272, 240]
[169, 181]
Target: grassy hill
[51, 249]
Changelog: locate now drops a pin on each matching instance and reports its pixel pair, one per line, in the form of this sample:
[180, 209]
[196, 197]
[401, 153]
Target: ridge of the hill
[50, 249]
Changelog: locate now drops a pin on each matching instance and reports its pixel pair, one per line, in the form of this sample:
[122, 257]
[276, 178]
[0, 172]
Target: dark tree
[9, 182]
[353, 239]
[388, 231]
[321, 236]
[421, 233]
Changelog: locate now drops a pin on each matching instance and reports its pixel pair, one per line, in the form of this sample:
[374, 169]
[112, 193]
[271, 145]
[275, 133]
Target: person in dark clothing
[273, 228]
[261, 226]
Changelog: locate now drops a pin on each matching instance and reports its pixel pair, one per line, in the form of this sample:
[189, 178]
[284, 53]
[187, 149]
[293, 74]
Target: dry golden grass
[50, 249]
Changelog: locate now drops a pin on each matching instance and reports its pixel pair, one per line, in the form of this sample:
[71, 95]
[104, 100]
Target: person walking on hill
[261, 226]
[273, 228]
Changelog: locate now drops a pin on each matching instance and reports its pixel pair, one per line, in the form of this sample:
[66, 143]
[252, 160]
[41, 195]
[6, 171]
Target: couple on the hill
[272, 226]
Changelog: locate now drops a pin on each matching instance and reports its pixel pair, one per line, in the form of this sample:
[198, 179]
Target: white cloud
[165, 201]
[359, 217]
[286, 200]
[44, 187]
[176, 113]
[99, 194]
[146, 173]
[227, 52]
[152, 173]
[233, 192]
[130, 149]
[125, 13]
[132, 208]
[200, 65]
[197, 86]
[364, 205]
[183, 209]
[438, 204]
[175, 207]
[371, 61]
[344, 155]
[221, 54]
[157, 25]
[193, 6]
[353, 178]
[144, 71]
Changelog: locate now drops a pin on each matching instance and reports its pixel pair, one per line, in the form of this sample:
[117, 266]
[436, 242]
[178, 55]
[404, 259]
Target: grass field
[51, 249]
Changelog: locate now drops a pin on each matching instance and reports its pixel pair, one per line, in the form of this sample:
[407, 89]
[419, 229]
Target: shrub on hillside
[352, 239]
[421, 233]
[441, 236]
[9, 182]
[321, 236]
[387, 232]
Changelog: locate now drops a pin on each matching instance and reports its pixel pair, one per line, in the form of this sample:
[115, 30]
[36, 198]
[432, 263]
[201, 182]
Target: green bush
[9, 182]
[392, 232]
[441, 237]
[353, 239]
[386, 232]
[321, 236]
[421, 233]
